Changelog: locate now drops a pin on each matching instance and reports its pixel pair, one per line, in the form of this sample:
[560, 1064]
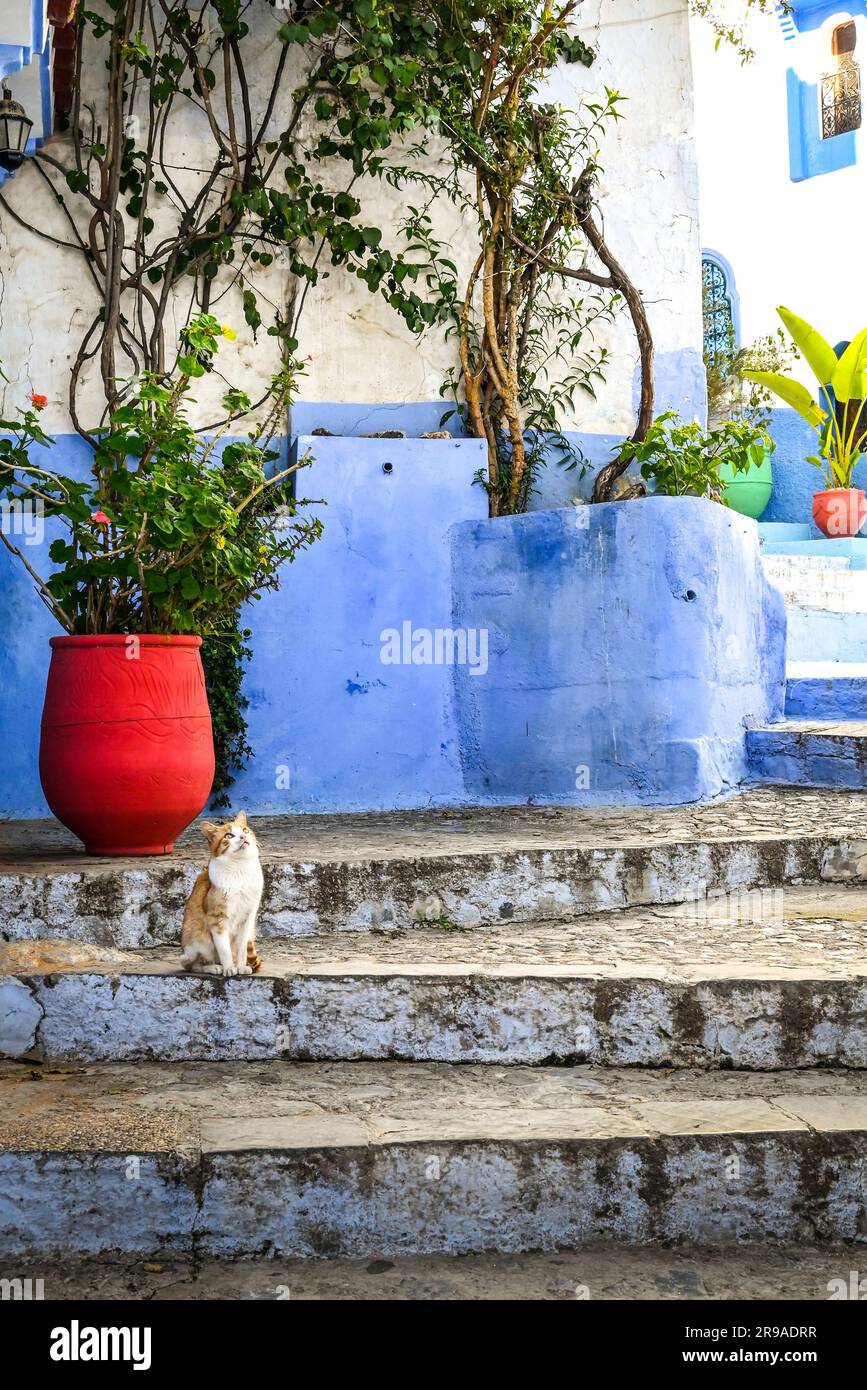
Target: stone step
[771, 532]
[826, 690]
[809, 753]
[761, 980]
[815, 634]
[821, 549]
[598, 1272]
[831, 585]
[387, 1158]
[476, 867]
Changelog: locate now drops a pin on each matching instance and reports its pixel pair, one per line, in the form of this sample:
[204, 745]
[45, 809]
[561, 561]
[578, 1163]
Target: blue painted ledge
[630, 644]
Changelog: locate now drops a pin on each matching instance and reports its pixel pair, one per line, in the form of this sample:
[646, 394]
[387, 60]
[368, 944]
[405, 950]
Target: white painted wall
[798, 244]
[360, 348]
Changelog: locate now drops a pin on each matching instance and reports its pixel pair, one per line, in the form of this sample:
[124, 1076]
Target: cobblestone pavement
[802, 932]
[761, 813]
[597, 1273]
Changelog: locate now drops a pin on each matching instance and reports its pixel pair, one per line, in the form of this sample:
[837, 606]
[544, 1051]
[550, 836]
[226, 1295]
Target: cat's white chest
[240, 883]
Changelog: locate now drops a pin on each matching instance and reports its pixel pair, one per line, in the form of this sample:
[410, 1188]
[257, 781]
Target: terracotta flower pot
[126, 758]
[841, 511]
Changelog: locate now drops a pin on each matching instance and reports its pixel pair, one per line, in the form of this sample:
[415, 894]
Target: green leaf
[849, 380]
[818, 353]
[793, 393]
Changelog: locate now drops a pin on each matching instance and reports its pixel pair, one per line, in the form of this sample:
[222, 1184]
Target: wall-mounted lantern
[15, 127]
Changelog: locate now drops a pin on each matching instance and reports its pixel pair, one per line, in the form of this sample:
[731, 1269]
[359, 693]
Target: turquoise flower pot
[750, 492]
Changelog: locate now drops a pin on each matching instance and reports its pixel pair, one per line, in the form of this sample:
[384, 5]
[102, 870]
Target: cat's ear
[241, 819]
[209, 830]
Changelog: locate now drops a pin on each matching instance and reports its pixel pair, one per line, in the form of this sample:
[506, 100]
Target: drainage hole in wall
[388, 468]
[690, 595]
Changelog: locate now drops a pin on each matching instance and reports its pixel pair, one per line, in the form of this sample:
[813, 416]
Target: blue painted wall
[795, 480]
[26, 625]
[630, 644]
[809, 154]
[335, 727]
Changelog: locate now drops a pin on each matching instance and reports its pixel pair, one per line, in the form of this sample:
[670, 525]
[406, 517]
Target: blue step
[851, 548]
[815, 634]
[826, 690]
[771, 532]
[809, 753]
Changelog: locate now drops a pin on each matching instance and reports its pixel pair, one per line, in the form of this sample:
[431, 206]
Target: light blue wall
[629, 642]
[26, 625]
[350, 731]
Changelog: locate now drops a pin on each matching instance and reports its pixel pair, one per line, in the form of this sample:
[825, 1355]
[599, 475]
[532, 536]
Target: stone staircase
[504, 1030]
[822, 740]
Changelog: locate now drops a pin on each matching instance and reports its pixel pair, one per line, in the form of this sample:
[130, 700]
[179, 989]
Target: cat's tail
[189, 956]
[254, 960]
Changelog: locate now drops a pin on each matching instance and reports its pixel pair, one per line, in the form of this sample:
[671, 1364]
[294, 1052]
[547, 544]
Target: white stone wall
[798, 244]
[361, 350]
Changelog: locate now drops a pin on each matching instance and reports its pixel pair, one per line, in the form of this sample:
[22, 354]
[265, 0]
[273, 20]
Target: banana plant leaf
[793, 393]
[812, 346]
[849, 379]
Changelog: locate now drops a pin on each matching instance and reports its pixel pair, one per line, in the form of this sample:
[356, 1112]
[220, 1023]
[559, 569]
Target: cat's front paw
[230, 969]
[245, 969]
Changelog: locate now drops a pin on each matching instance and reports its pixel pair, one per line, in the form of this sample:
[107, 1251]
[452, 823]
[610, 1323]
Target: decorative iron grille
[718, 327]
[841, 99]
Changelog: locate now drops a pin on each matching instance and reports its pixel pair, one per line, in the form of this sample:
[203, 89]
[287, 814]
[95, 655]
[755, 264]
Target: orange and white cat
[219, 929]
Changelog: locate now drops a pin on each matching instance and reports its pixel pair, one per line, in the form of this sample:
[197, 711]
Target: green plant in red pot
[841, 420]
[168, 533]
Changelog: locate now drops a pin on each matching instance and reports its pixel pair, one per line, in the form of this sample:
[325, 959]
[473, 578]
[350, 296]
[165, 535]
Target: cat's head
[235, 838]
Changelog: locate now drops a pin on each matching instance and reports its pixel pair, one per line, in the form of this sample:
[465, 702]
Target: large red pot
[841, 511]
[127, 755]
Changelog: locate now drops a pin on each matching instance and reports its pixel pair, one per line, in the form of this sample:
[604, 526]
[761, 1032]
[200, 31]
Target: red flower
[100, 518]
[38, 402]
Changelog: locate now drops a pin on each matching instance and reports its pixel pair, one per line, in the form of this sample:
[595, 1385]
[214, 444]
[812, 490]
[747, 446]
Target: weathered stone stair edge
[132, 908]
[524, 1019]
[437, 1195]
[365, 1158]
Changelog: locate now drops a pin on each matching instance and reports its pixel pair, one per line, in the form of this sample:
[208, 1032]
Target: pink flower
[100, 518]
[309, 357]
[38, 402]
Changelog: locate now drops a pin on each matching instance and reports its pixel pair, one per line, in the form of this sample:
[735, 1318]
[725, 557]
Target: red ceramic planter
[841, 511]
[126, 758]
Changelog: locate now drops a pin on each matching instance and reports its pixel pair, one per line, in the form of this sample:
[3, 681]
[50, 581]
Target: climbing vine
[523, 172]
